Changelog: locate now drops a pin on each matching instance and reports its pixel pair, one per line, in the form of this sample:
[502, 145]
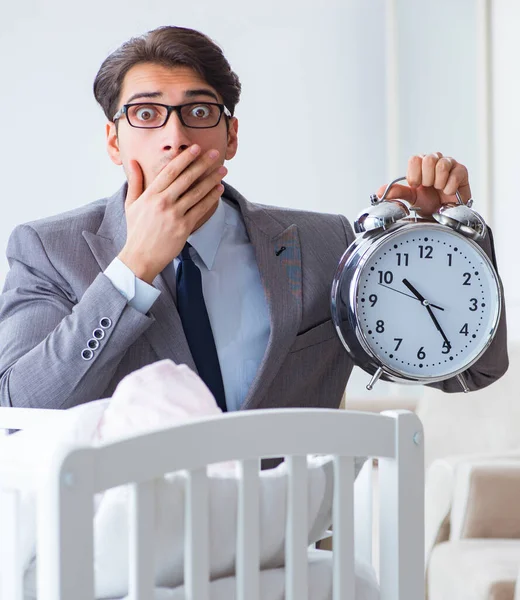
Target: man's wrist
[139, 294]
[140, 270]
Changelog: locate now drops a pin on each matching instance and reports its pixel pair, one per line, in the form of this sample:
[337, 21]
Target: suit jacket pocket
[321, 333]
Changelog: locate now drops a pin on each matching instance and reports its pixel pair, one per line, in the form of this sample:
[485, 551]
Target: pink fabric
[156, 397]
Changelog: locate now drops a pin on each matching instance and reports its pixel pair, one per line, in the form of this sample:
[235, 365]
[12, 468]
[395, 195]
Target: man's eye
[145, 113]
[201, 111]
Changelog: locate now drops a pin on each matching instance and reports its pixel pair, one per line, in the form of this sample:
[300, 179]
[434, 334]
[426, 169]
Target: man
[178, 265]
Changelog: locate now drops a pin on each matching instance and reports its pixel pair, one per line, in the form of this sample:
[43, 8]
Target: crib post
[343, 586]
[196, 541]
[11, 567]
[402, 512]
[296, 574]
[363, 509]
[141, 530]
[248, 531]
[65, 529]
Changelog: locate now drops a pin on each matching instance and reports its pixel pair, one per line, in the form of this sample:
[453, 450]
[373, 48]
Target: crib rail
[65, 504]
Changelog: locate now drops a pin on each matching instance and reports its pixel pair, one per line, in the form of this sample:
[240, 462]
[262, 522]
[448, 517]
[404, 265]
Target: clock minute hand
[426, 304]
[437, 325]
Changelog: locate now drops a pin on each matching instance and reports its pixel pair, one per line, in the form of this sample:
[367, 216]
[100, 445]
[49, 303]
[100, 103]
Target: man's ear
[232, 141]
[113, 144]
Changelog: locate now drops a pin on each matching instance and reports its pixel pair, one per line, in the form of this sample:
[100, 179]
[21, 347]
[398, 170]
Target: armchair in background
[472, 496]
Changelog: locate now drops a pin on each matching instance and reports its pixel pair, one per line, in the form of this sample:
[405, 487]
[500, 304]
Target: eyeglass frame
[170, 108]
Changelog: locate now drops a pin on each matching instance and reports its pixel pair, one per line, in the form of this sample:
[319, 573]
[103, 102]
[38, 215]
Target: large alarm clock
[416, 300]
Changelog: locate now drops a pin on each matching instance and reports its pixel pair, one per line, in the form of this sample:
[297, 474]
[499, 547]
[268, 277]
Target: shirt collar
[206, 239]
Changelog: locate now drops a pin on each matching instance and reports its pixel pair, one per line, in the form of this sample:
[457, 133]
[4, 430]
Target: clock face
[427, 301]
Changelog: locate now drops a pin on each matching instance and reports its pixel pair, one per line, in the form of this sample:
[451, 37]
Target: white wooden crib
[65, 500]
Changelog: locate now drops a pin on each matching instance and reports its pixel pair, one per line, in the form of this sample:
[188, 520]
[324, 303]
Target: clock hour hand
[408, 295]
[415, 292]
[427, 305]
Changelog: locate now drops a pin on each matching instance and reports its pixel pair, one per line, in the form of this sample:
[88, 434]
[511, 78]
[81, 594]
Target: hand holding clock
[404, 256]
[433, 181]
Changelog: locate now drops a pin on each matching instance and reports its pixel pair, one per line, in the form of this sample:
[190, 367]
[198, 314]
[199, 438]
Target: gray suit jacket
[56, 295]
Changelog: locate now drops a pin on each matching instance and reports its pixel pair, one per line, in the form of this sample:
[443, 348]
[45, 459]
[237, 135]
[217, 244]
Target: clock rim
[351, 266]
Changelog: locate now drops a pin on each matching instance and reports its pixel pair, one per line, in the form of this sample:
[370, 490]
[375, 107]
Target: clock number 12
[425, 251]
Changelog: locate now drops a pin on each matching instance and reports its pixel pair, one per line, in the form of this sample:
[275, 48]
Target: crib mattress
[272, 583]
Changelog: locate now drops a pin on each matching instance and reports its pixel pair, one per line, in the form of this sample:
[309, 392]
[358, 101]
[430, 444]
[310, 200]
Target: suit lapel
[278, 257]
[166, 334]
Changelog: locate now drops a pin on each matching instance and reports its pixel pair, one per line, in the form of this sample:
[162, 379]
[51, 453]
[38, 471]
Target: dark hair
[170, 47]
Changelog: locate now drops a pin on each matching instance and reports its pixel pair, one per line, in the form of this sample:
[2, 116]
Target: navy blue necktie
[196, 325]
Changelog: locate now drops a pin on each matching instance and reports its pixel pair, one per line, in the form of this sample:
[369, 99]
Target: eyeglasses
[151, 115]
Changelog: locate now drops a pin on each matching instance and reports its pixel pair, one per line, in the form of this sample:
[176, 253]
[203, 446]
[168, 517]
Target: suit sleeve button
[93, 344]
[98, 333]
[105, 322]
[87, 354]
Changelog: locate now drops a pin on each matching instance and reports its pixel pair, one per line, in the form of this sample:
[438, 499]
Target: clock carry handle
[459, 217]
[375, 200]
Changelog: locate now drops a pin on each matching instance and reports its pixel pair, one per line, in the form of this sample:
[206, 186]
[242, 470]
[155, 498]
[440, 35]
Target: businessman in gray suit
[177, 264]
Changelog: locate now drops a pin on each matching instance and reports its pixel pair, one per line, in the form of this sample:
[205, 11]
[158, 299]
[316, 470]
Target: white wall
[437, 77]
[292, 67]
[298, 65]
[506, 150]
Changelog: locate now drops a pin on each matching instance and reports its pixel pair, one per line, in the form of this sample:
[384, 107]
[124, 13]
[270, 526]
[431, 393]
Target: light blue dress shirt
[233, 294]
